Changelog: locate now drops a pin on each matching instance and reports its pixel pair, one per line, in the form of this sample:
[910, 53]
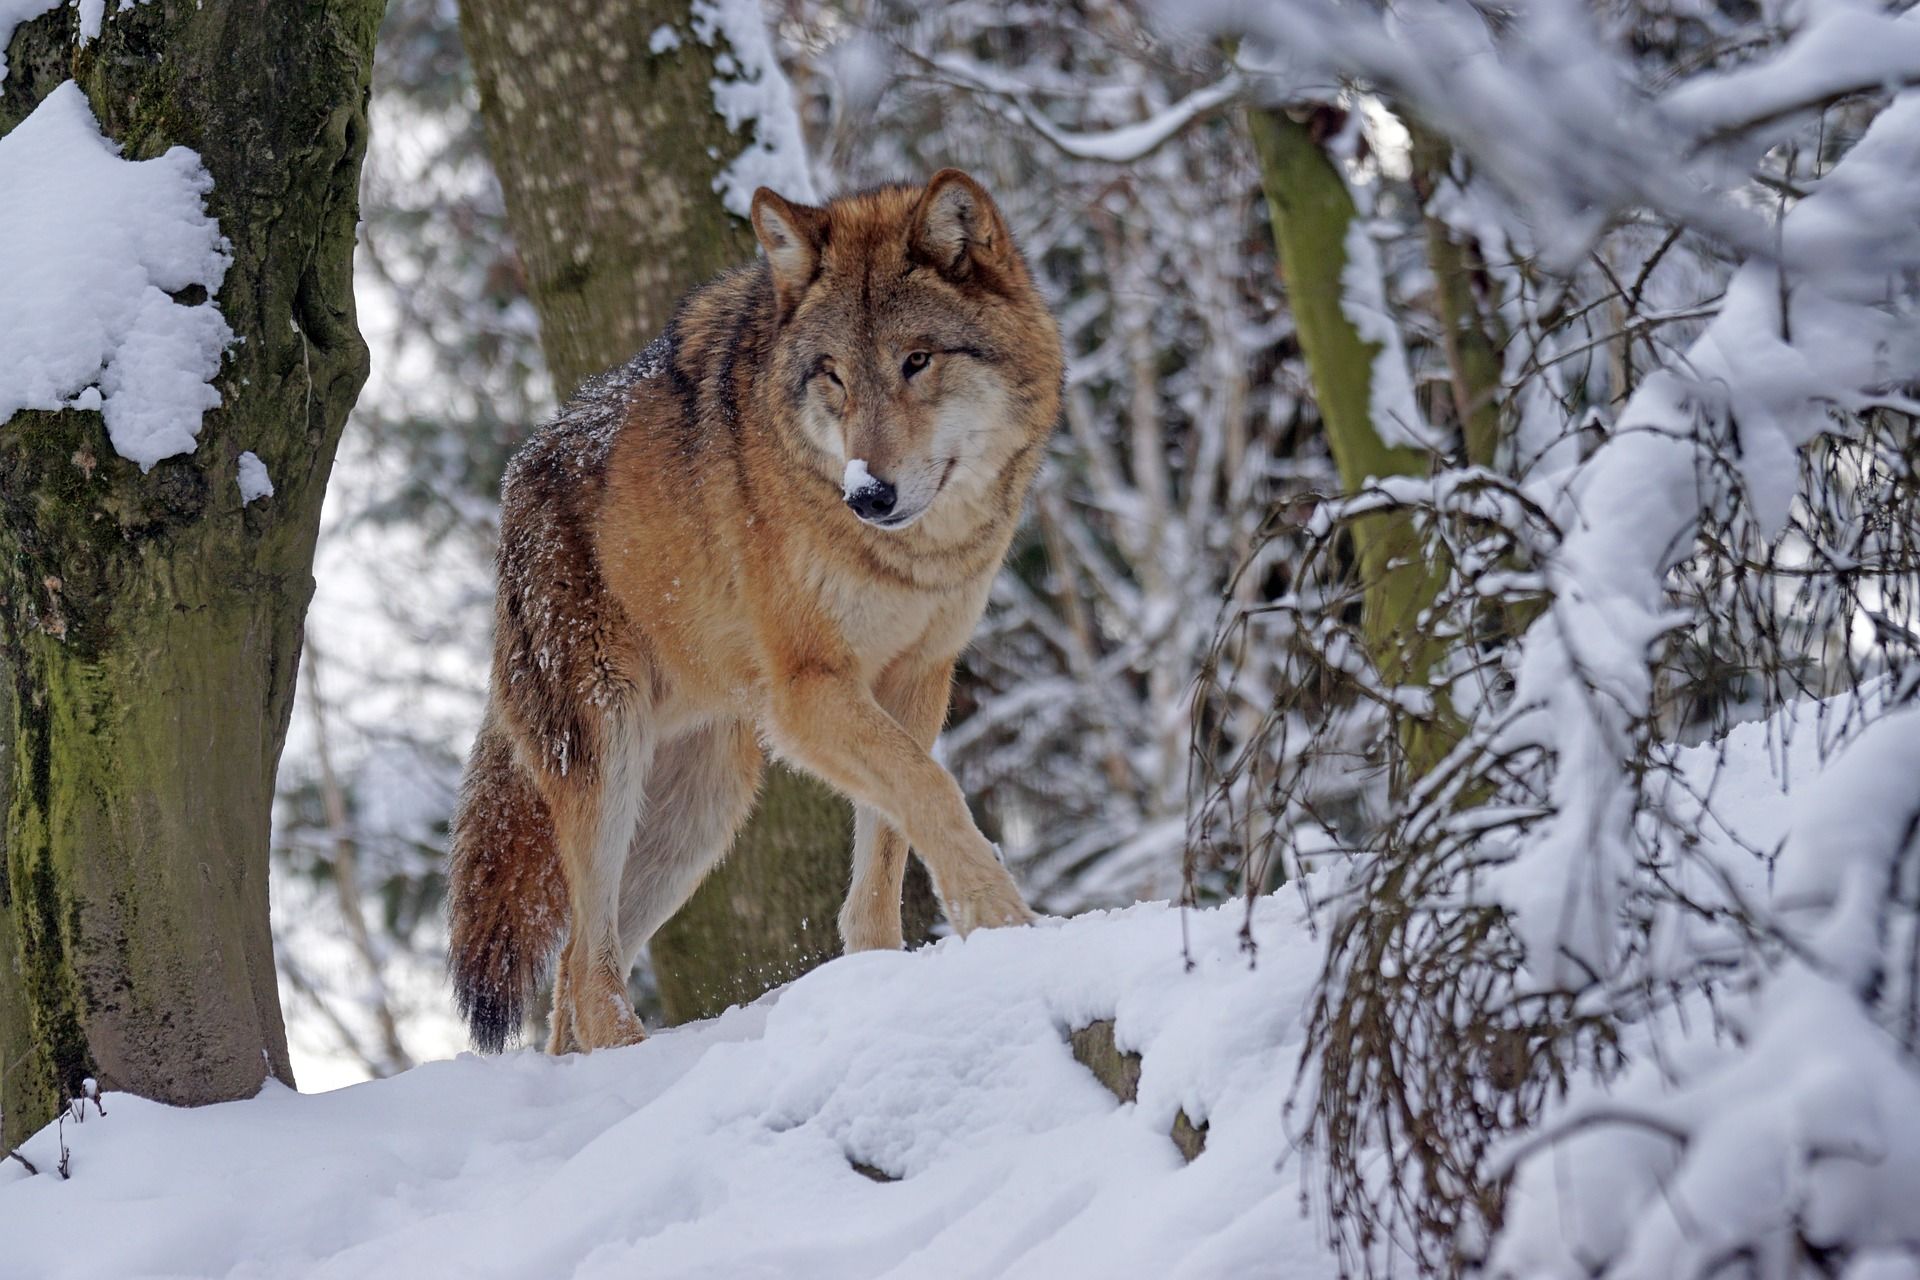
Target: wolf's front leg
[870, 917]
[831, 725]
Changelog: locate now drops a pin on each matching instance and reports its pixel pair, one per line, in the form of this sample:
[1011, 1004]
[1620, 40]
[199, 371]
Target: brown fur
[680, 579]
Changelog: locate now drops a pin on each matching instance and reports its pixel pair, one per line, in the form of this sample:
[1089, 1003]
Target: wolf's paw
[618, 1027]
[995, 907]
[601, 1019]
[866, 933]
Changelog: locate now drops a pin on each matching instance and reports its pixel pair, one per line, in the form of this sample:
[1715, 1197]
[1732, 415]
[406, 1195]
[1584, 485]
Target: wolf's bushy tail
[506, 891]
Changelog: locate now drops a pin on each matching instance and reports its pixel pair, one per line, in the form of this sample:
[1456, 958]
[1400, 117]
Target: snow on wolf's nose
[871, 498]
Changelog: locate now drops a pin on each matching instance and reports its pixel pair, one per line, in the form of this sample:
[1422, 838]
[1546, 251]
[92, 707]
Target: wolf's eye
[825, 366]
[915, 362]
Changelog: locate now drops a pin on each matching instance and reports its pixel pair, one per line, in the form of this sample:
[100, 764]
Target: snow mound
[727, 1148]
[91, 248]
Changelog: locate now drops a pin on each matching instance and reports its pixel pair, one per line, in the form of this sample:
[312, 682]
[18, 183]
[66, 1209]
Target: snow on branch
[1755, 378]
[1550, 102]
[1123, 145]
[1584, 937]
[1798, 1133]
[98, 257]
[1845, 49]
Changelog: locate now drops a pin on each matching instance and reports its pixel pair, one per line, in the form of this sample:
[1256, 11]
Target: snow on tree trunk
[150, 616]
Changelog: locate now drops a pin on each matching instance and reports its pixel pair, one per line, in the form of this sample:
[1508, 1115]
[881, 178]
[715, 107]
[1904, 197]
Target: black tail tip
[494, 1015]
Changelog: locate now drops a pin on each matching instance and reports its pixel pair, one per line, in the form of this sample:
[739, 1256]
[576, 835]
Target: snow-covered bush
[1580, 1017]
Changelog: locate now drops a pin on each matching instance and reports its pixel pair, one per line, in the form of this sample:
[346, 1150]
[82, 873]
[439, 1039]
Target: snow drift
[729, 1148]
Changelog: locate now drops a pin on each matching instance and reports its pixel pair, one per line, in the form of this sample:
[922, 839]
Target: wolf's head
[913, 355]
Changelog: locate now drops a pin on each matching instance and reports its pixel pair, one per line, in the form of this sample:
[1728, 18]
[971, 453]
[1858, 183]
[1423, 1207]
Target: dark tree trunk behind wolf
[607, 152]
[150, 624]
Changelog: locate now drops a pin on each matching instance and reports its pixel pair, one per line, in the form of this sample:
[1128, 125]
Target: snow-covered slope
[726, 1149]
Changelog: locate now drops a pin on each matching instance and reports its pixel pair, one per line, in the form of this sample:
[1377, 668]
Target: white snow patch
[93, 12]
[1363, 299]
[752, 94]
[254, 481]
[91, 246]
[663, 39]
[725, 1148]
[856, 477]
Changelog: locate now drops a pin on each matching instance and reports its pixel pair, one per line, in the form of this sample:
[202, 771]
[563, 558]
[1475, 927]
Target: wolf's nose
[872, 500]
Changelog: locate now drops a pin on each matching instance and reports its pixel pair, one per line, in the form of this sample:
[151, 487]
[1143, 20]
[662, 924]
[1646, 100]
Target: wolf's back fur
[680, 579]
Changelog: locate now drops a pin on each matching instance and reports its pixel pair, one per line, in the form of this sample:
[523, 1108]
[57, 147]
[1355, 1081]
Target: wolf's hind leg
[596, 813]
[560, 1030]
[699, 791]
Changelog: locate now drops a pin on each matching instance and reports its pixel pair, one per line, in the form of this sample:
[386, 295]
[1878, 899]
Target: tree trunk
[1472, 340]
[607, 145]
[607, 153]
[1312, 210]
[150, 624]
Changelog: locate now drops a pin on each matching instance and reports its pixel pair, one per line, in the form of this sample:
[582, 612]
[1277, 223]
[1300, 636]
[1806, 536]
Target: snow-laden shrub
[1583, 1014]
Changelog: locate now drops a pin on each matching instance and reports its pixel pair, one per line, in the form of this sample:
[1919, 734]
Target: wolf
[775, 528]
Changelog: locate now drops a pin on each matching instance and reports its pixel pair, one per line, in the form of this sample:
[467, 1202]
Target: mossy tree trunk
[1312, 211]
[150, 625]
[606, 142]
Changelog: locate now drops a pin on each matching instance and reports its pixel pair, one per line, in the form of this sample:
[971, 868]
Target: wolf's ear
[956, 226]
[793, 236]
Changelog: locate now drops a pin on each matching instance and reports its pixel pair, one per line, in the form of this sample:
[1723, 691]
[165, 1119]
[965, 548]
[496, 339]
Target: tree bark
[150, 625]
[607, 152]
[1312, 210]
[607, 145]
[1472, 340]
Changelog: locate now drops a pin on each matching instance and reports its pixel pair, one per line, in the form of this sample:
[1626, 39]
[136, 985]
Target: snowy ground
[725, 1149]
[729, 1148]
